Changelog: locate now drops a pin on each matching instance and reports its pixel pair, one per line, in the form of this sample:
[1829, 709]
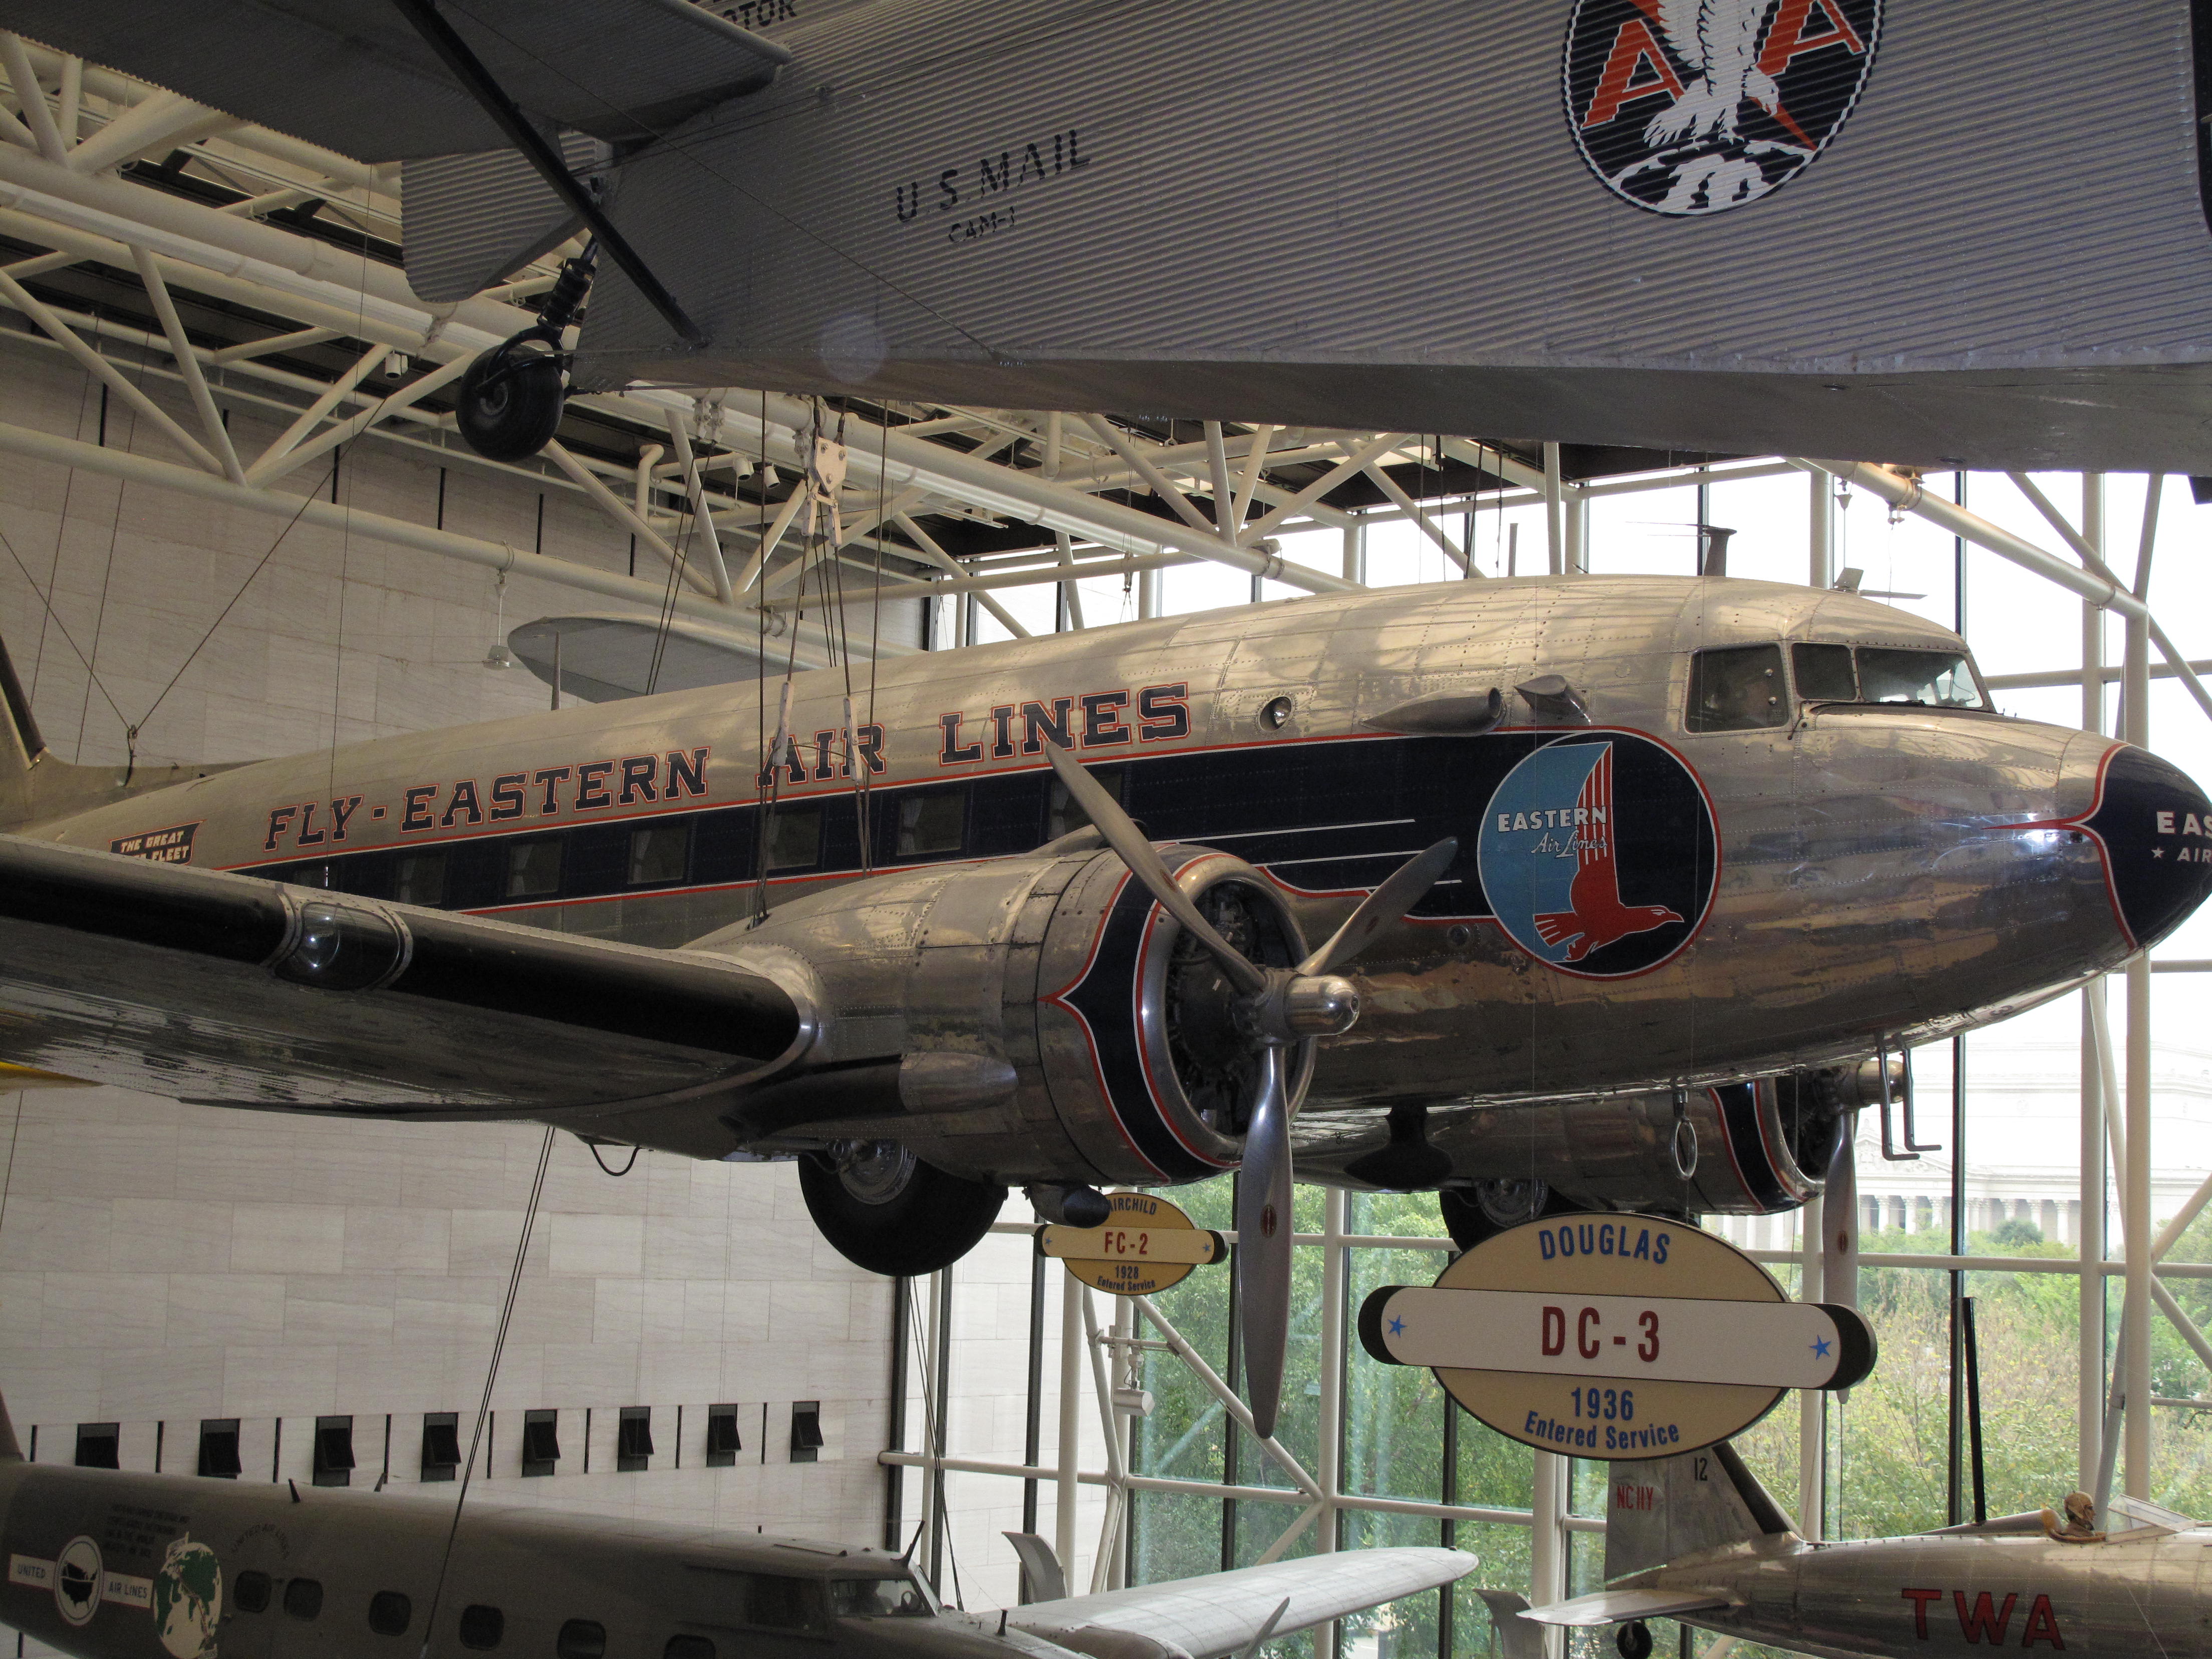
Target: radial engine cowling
[1019, 1019]
[1754, 1148]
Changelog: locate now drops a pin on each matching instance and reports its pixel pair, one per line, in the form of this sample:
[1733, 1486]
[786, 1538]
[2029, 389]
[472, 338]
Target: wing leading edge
[1221, 1614]
[227, 990]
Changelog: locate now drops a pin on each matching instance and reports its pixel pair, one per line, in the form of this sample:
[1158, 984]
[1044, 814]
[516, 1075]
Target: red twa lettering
[2042, 1625]
[1920, 1598]
[1981, 1621]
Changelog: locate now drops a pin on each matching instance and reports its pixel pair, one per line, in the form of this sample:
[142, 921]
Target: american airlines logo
[1687, 107]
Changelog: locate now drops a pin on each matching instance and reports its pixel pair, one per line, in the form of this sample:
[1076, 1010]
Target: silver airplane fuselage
[1637, 904]
[2144, 1598]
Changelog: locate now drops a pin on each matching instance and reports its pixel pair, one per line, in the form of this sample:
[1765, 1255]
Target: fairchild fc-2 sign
[1620, 1336]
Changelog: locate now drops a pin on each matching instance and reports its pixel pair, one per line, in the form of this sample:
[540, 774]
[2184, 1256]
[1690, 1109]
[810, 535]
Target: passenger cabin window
[533, 868]
[303, 1597]
[1738, 688]
[1064, 817]
[249, 1591]
[482, 1626]
[582, 1638]
[934, 823]
[658, 854]
[389, 1612]
[794, 837]
[420, 879]
[877, 1598]
[769, 1602]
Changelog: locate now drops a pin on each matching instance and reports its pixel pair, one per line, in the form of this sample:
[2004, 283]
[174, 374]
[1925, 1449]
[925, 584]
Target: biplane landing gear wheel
[885, 1210]
[510, 400]
[1634, 1640]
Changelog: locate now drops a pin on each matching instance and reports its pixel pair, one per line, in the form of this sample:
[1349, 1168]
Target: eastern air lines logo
[1694, 106]
[1597, 854]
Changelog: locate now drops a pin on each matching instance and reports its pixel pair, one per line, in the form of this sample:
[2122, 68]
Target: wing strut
[475, 79]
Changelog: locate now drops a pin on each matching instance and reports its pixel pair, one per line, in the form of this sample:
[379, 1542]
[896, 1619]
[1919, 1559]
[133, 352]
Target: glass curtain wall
[2007, 1226]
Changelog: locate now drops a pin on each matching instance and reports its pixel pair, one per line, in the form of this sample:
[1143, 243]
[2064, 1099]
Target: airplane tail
[1670, 1507]
[34, 786]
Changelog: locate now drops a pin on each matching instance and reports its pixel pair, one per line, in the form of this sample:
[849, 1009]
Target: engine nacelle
[1753, 1148]
[1020, 1019]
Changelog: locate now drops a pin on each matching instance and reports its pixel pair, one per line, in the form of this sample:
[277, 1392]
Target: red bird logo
[1598, 918]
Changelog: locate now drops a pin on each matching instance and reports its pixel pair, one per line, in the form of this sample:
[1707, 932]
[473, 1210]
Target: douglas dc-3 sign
[1615, 882]
[1616, 1336]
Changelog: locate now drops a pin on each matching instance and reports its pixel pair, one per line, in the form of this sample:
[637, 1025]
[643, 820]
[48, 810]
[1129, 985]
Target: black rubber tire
[516, 415]
[1465, 1220]
[930, 1223]
[1634, 1640]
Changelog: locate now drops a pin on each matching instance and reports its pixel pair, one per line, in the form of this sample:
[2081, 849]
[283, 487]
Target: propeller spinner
[1275, 1009]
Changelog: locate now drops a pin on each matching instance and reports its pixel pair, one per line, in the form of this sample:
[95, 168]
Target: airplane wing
[354, 76]
[228, 990]
[1617, 1607]
[1222, 1613]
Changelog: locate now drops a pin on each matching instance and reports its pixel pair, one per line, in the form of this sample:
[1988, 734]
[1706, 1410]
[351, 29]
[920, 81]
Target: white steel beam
[163, 122]
[188, 363]
[470, 550]
[33, 97]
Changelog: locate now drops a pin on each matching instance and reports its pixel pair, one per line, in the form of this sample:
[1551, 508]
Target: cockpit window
[1825, 673]
[1737, 690]
[878, 1598]
[1939, 679]
[1867, 673]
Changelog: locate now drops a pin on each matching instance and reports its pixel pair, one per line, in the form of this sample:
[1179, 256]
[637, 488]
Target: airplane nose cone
[2155, 825]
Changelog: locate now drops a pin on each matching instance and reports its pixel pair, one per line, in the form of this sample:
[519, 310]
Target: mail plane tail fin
[34, 786]
[1667, 1508]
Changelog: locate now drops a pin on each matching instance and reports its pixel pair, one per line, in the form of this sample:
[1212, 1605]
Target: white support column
[1548, 1564]
[1577, 510]
[1554, 526]
[2135, 1193]
[1071, 1423]
[1332, 1360]
[1148, 593]
[1820, 505]
[1355, 553]
[2089, 1393]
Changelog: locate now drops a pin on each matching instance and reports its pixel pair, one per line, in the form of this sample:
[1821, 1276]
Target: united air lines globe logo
[1694, 106]
[1597, 854]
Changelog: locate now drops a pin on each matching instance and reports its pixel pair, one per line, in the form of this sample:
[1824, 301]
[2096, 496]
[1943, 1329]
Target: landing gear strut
[885, 1210]
[512, 396]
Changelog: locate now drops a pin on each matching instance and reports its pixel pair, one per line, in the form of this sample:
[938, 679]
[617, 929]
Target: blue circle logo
[1598, 855]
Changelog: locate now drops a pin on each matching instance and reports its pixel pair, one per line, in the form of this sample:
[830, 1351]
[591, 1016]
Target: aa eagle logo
[1687, 107]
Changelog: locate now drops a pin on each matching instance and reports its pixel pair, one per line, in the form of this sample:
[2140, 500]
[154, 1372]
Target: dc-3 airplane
[1698, 1539]
[1652, 222]
[108, 1565]
[1674, 858]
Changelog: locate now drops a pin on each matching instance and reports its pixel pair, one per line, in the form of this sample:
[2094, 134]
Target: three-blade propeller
[1280, 1008]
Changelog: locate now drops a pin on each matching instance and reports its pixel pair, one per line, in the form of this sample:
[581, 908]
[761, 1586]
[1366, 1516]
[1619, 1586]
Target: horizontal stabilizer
[1619, 1606]
[1222, 1613]
[354, 76]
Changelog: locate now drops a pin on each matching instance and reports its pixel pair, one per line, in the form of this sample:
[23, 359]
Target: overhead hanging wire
[491, 1377]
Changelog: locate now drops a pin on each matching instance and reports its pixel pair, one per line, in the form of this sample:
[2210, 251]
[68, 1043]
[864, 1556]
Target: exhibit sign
[1148, 1246]
[1614, 1335]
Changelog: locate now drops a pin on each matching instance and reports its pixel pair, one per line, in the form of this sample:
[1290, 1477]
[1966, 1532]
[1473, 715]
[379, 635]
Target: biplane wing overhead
[358, 79]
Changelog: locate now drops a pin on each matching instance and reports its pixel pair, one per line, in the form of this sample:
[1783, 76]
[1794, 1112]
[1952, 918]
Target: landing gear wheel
[885, 1210]
[1634, 1640]
[1471, 1214]
[510, 401]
